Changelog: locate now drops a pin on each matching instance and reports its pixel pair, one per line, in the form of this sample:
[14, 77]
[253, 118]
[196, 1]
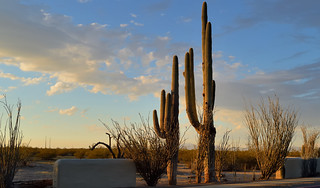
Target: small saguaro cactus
[206, 128]
[169, 123]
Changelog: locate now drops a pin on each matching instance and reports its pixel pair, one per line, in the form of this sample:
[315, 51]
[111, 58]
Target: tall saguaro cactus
[169, 122]
[206, 128]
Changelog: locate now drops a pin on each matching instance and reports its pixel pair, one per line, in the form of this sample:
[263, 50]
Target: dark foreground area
[38, 174]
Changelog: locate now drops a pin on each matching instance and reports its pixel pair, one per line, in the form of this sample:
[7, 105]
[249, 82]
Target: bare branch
[271, 129]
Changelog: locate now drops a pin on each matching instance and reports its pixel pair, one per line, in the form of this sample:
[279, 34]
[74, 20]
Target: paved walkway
[299, 182]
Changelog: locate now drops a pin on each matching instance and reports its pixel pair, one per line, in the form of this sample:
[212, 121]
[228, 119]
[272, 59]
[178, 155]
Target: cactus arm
[208, 68]
[192, 86]
[175, 76]
[159, 129]
[156, 125]
[213, 93]
[162, 109]
[189, 92]
[175, 93]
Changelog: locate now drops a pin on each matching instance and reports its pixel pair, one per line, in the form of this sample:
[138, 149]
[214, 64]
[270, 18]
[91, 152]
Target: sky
[74, 63]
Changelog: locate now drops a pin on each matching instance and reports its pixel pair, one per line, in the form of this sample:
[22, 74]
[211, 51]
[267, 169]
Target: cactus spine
[206, 128]
[169, 122]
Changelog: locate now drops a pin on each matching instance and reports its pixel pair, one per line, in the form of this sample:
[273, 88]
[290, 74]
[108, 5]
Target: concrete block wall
[94, 173]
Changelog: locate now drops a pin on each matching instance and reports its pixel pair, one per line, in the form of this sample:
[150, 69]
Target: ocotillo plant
[169, 123]
[206, 128]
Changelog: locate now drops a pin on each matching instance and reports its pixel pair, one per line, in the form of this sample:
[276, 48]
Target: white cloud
[98, 26]
[133, 15]
[164, 38]
[60, 87]
[185, 20]
[8, 75]
[70, 111]
[83, 1]
[52, 109]
[136, 23]
[6, 90]
[72, 56]
[123, 25]
[235, 65]
[26, 81]
[231, 58]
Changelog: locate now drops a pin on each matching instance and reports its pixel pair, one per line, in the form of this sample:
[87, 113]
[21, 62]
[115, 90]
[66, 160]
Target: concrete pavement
[311, 182]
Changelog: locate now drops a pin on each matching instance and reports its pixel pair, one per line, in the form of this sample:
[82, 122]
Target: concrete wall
[318, 166]
[295, 167]
[94, 173]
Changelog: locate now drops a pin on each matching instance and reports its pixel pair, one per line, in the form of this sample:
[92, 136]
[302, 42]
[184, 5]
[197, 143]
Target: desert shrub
[310, 137]
[271, 129]
[26, 155]
[80, 153]
[246, 160]
[98, 153]
[294, 153]
[47, 154]
[187, 157]
[115, 152]
[66, 152]
[141, 144]
[10, 142]
[222, 154]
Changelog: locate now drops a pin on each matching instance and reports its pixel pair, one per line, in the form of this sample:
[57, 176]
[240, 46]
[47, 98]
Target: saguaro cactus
[206, 128]
[169, 122]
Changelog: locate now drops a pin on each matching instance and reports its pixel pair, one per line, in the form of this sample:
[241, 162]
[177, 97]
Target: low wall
[295, 167]
[94, 173]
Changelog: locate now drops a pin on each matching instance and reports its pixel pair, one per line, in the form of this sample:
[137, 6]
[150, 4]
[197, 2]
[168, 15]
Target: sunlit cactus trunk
[169, 123]
[206, 128]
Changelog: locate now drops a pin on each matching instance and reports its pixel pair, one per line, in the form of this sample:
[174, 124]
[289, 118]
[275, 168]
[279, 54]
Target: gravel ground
[40, 173]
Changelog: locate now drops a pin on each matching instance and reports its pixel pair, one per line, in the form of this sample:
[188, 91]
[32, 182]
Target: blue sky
[74, 62]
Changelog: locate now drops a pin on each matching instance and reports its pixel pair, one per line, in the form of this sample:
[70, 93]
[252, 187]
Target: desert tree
[310, 137]
[271, 129]
[109, 146]
[235, 148]
[222, 152]
[308, 151]
[10, 142]
[140, 143]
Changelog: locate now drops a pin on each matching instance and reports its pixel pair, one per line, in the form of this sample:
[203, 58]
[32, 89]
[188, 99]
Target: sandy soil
[40, 172]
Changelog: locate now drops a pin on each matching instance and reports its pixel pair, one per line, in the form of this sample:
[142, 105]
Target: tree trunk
[172, 170]
[209, 159]
[199, 161]
[173, 144]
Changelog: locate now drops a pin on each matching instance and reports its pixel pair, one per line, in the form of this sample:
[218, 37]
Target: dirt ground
[40, 173]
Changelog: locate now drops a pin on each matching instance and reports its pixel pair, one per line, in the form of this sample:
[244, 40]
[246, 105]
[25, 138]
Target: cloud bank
[92, 56]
